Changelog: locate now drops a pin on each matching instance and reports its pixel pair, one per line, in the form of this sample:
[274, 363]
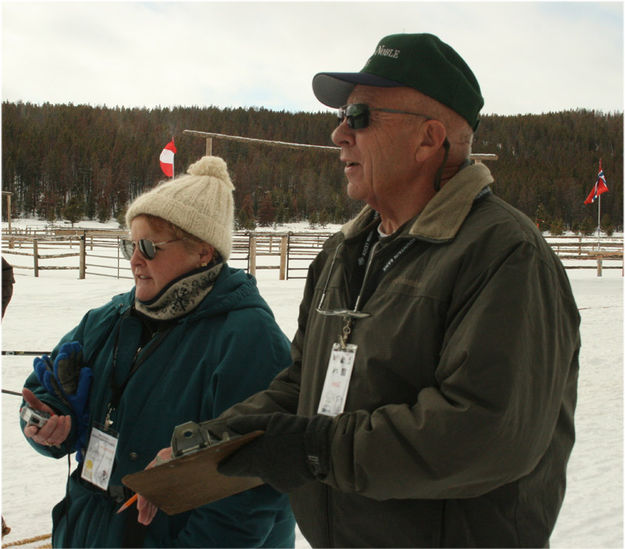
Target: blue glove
[69, 380]
[43, 368]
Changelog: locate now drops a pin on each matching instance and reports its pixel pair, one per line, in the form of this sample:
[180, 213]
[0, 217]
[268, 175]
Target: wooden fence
[96, 252]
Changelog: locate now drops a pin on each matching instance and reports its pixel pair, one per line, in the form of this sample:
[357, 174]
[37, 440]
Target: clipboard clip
[190, 437]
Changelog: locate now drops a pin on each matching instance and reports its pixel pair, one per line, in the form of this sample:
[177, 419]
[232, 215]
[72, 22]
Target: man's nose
[342, 134]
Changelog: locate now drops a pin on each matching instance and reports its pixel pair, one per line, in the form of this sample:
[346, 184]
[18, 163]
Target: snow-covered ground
[45, 308]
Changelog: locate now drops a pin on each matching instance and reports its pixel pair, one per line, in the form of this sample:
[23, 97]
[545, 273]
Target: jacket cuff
[318, 436]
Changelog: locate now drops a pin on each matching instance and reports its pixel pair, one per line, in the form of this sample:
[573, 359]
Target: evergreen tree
[107, 156]
[245, 214]
[73, 211]
[266, 211]
[587, 226]
[606, 224]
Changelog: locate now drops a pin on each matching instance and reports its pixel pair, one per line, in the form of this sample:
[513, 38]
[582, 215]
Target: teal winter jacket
[226, 349]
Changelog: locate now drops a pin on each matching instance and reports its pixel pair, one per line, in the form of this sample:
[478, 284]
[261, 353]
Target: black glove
[292, 451]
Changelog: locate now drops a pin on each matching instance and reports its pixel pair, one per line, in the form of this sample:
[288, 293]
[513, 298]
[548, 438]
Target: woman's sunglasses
[357, 114]
[148, 248]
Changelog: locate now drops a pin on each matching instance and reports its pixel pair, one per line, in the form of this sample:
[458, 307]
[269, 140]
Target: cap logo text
[387, 52]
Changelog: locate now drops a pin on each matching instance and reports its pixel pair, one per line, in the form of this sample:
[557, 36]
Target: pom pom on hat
[199, 202]
[212, 166]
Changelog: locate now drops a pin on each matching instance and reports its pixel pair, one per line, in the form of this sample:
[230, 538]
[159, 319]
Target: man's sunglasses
[357, 114]
[148, 248]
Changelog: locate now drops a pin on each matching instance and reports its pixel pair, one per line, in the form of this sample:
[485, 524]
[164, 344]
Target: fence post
[252, 258]
[82, 267]
[36, 256]
[288, 252]
[283, 255]
[599, 266]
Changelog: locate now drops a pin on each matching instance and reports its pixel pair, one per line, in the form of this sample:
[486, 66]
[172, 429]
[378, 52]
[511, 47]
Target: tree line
[78, 161]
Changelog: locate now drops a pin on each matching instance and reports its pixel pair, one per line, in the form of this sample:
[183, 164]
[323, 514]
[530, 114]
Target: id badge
[99, 458]
[336, 384]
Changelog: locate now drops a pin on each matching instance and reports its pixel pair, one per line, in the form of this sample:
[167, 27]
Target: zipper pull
[107, 420]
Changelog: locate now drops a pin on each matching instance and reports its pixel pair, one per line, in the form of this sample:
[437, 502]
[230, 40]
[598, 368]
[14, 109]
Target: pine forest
[83, 162]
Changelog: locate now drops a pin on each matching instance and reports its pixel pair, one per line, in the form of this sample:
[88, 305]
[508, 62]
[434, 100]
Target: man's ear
[433, 134]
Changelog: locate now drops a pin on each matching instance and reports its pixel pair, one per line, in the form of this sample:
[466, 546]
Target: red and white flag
[600, 187]
[167, 158]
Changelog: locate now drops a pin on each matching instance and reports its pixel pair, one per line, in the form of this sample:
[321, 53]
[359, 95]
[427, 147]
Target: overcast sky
[529, 57]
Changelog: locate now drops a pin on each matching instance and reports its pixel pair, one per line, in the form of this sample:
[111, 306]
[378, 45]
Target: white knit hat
[200, 203]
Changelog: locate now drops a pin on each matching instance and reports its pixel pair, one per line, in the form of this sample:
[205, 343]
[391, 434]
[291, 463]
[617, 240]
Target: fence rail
[97, 253]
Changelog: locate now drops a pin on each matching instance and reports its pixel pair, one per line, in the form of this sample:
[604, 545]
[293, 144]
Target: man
[430, 401]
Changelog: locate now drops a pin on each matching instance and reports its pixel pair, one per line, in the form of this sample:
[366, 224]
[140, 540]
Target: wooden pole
[477, 157]
[82, 263]
[36, 257]
[9, 211]
[207, 135]
[252, 257]
[283, 248]
[8, 195]
[209, 146]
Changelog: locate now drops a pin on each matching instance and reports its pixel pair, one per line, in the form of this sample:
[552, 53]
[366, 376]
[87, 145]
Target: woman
[189, 340]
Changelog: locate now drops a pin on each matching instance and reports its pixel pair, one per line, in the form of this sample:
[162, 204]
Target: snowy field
[45, 308]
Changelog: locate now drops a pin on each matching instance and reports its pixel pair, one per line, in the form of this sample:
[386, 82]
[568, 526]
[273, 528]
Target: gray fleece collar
[443, 216]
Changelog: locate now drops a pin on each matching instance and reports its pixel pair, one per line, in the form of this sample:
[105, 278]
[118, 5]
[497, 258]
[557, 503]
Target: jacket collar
[234, 289]
[443, 216]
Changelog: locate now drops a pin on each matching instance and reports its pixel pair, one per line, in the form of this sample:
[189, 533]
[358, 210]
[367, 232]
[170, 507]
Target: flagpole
[599, 224]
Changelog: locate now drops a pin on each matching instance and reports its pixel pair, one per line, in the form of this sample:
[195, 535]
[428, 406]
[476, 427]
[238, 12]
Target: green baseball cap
[420, 61]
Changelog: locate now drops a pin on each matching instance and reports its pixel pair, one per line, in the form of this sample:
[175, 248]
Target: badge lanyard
[139, 358]
[100, 454]
[343, 354]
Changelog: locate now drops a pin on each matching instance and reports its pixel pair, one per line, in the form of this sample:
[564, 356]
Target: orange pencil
[128, 503]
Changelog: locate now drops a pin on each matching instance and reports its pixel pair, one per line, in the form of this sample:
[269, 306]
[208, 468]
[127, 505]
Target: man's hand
[292, 451]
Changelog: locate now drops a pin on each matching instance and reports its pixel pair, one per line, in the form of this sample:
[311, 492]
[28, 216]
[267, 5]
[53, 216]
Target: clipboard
[192, 480]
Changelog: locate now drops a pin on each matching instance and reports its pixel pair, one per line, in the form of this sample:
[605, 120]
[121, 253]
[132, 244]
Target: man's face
[380, 159]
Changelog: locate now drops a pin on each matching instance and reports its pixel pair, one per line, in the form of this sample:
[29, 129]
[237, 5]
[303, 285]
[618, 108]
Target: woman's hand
[146, 509]
[56, 429]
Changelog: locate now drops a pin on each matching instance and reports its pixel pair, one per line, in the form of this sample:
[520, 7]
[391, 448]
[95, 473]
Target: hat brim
[333, 88]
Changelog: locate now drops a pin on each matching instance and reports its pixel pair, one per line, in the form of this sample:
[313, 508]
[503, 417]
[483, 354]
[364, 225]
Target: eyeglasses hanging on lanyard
[350, 314]
[347, 314]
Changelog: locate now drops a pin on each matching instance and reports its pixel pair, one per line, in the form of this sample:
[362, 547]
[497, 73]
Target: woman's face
[171, 260]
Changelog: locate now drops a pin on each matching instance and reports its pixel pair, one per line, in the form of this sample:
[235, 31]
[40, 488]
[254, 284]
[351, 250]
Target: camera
[34, 417]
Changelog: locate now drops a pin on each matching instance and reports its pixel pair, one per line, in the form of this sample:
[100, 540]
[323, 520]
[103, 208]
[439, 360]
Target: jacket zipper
[329, 516]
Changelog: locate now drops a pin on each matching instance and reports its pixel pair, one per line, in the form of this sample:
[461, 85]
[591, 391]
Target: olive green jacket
[458, 423]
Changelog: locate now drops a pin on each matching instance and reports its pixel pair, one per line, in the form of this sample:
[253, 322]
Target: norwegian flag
[167, 158]
[599, 188]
